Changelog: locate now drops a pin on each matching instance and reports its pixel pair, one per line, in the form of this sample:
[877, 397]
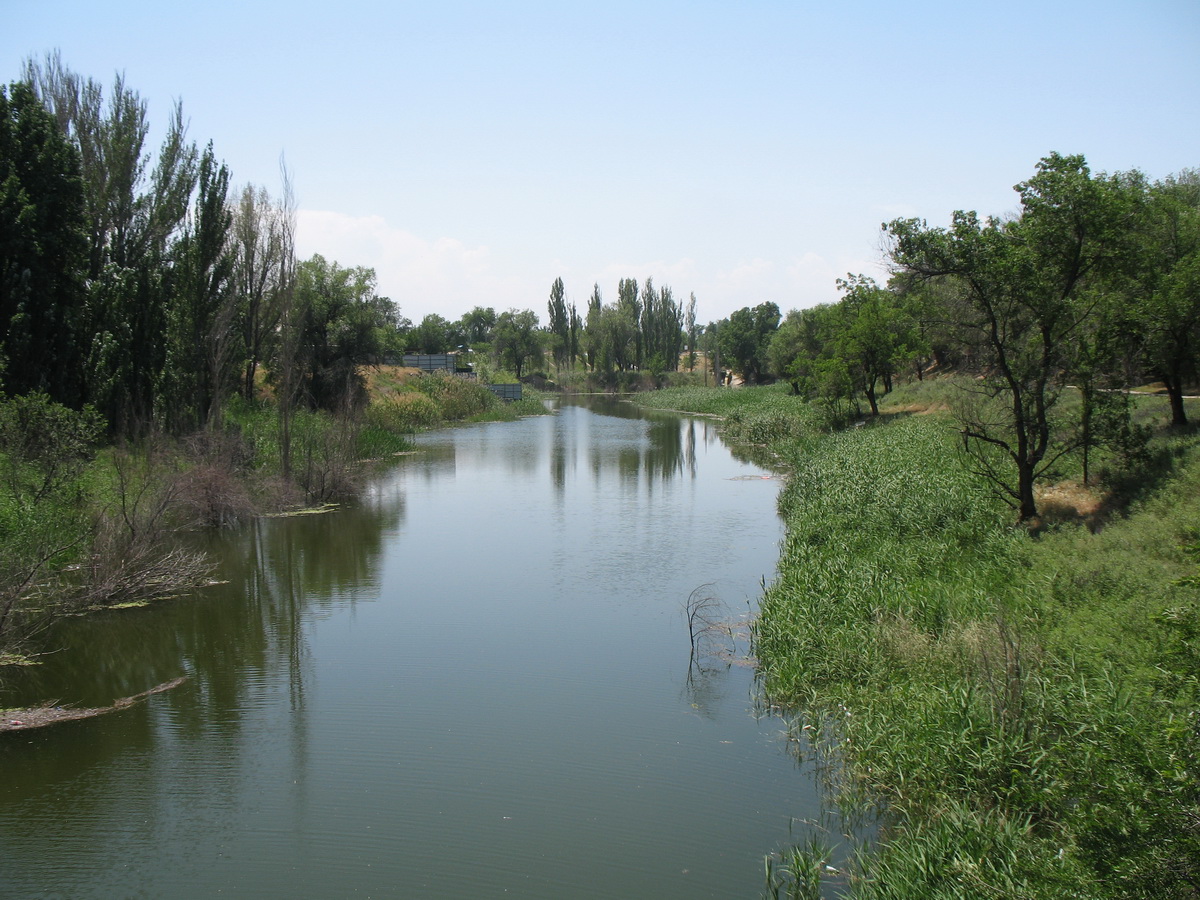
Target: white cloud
[795, 283]
[448, 277]
[423, 276]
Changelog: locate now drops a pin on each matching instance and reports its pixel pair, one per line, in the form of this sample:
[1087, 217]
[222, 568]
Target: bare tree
[258, 239]
[286, 378]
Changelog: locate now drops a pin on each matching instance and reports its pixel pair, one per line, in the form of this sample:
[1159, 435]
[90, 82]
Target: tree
[133, 217]
[258, 245]
[477, 325]
[591, 328]
[574, 335]
[661, 329]
[286, 373]
[807, 350]
[629, 308]
[200, 366]
[518, 339]
[798, 346]
[560, 322]
[431, 336]
[339, 319]
[1019, 298]
[690, 324]
[1166, 285]
[44, 449]
[876, 335]
[745, 337]
[43, 252]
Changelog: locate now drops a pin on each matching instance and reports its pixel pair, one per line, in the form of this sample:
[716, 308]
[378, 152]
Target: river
[475, 682]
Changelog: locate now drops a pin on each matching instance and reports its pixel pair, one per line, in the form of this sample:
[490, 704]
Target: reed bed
[1019, 710]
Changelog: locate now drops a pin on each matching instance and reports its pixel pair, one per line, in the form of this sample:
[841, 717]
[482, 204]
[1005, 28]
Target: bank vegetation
[996, 710]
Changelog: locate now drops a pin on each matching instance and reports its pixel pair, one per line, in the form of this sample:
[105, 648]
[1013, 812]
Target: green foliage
[518, 341]
[340, 322]
[457, 399]
[44, 451]
[42, 251]
[201, 367]
[431, 336]
[745, 339]
[1023, 710]
[44, 447]
[1164, 283]
[560, 323]
[1020, 293]
[477, 324]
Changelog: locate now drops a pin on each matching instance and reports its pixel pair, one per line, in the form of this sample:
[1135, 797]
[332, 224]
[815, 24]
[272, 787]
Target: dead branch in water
[41, 716]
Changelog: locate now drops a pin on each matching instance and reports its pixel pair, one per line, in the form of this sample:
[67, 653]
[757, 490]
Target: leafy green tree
[201, 367]
[1166, 285]
[876, 335]
[44, 447]
[431, 336]
[629, 309]
[745, 338]
[43, 251]
[1019, 299]
[258, 246]
[690, 324]
[518, 340]
[661, 328]
[134, 214]
[477, 325]
[801, 342]
[591, 329]
[574, 335]
[339, 321]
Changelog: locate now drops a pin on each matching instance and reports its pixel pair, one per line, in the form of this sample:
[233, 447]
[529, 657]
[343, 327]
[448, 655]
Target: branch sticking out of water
[41, 716]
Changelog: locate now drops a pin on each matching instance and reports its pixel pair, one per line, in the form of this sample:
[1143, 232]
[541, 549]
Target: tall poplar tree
[43, 251]
[560, 322]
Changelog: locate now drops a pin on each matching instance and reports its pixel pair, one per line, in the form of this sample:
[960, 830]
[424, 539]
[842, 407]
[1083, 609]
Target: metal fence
[506, 391]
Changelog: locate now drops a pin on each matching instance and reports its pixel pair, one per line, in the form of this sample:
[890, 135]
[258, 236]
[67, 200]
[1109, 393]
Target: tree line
[1090, 289]
[145, 285]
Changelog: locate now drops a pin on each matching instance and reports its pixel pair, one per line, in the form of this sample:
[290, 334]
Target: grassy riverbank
[1020, 704]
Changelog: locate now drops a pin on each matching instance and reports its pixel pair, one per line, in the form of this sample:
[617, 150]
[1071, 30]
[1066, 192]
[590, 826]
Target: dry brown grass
[382, 380]
[1071, 502]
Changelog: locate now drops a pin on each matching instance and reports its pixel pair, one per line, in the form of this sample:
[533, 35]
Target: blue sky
[473, 152]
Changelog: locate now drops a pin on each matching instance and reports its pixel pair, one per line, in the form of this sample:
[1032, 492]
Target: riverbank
[1021, 703]
[90, 527]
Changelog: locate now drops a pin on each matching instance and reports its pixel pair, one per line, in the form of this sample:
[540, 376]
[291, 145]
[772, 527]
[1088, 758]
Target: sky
[471, 153]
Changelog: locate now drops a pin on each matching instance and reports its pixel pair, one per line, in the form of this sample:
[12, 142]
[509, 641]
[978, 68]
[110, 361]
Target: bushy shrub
[404, 413]
[457, 399]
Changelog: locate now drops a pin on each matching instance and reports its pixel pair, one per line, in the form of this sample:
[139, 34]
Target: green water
[476, 682]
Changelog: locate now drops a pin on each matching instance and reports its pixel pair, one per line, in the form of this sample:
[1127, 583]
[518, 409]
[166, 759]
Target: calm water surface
[475, 683]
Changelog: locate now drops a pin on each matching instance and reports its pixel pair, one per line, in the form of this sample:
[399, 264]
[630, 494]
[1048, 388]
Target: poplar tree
[560, 322]
[43, 251]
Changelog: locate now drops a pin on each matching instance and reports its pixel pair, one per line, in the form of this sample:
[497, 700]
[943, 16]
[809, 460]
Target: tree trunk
[1175, 395]
[1027, 505]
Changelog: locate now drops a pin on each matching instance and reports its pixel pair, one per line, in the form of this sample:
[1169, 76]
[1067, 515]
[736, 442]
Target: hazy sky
[472, 152]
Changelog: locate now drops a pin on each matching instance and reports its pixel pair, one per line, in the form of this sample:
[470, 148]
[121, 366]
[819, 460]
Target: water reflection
[476, 678]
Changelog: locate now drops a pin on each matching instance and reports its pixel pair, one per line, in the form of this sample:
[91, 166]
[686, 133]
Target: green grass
[1022, 706]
